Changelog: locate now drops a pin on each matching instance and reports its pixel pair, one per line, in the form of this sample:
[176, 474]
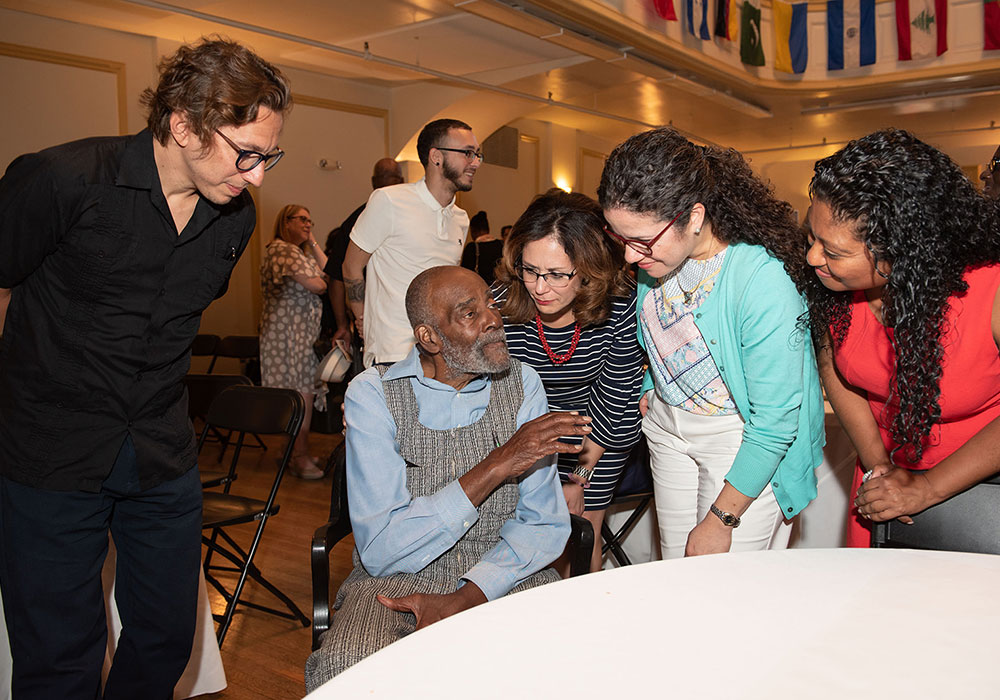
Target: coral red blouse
[970, 375]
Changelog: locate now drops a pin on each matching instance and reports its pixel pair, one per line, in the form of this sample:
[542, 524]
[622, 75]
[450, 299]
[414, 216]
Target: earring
[697, 231]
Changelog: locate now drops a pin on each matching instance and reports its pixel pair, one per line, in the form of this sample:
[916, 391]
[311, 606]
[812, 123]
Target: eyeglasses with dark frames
[556, 280]
[993, 165]
[248, 160]
[643, 247]
[304, 219]
[470, 153]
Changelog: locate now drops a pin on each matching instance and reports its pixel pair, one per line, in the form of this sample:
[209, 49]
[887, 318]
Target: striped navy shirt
[602, 379]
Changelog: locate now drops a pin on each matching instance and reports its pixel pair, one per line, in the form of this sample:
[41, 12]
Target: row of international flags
[921, 29]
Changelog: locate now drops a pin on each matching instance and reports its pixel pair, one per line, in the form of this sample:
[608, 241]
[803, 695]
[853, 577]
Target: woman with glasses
[569, 312]
[904, 301]
[292, 279]
[733, 412]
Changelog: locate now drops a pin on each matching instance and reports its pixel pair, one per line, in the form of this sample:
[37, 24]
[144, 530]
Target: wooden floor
[264, 655]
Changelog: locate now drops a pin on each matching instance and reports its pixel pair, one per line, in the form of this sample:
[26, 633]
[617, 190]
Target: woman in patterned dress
[733, 412]
[569, 312]
[292, 278]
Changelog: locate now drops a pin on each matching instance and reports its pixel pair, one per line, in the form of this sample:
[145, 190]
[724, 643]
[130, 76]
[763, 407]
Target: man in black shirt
[111, 249]
[386, 172]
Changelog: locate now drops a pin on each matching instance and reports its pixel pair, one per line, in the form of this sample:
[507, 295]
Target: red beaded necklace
[557, 359]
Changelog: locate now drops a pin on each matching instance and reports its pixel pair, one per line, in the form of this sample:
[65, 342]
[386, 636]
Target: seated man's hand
[431, 607]
[539, 438]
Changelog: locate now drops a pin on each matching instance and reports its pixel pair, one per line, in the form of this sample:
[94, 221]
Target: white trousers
[690, 456]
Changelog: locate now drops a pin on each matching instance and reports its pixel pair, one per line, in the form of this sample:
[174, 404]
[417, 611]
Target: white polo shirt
[406, 231]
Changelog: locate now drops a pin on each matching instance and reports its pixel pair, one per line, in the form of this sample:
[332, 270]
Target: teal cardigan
[750, 322]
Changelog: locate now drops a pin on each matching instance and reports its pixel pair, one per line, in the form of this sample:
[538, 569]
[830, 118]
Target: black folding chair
[326, 537]
[205, 345]
[636, 490]
[338, 526]
[202, 390]
[243, 410]
[245, 349]
[580, 545]
[966, 522]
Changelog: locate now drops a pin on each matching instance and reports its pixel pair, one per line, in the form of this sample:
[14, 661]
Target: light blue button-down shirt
[397, 533]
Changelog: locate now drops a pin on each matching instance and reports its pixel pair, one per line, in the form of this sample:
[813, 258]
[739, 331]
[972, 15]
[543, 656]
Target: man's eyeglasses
[993, 165]
[643, 247]
[248, 160]
[303, 219]
[470, 153]
[555, 280]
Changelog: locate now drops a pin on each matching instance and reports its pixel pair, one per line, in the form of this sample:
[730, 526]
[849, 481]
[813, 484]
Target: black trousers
[52, 549]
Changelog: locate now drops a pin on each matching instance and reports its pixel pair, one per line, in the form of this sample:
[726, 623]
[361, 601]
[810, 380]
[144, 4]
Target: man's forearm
[534, 440]
[355, 290]
[480, 481]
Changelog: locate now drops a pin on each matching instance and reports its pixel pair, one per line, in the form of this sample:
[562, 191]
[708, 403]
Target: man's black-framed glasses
[993, 165]
[470, 153]
[556, 280]
[643, 247]
[248, 160]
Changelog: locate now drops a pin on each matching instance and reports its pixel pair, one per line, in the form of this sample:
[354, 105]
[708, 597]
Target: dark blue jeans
[52, 549]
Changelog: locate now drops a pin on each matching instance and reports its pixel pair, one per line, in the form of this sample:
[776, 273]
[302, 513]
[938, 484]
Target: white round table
[808, 623]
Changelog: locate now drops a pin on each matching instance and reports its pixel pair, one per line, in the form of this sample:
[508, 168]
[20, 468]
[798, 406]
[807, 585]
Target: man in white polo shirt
[404, 230]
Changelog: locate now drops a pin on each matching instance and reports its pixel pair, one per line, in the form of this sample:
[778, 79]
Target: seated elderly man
[454, 497]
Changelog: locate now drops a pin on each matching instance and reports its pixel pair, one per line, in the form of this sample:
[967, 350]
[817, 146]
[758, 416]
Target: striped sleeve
[614, 397]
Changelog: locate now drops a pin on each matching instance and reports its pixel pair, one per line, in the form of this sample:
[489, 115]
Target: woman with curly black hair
[904, 309]
[733, 412]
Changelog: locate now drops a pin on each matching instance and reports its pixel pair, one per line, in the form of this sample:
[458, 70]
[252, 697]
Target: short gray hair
[418, 297]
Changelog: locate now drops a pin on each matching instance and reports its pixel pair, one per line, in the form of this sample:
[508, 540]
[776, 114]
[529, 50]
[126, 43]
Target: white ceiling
[511, 56]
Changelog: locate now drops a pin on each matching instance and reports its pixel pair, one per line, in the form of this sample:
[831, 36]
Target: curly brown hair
[576, 221]
[215, 82]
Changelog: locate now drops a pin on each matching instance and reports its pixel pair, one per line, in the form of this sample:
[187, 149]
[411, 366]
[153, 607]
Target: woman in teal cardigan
[732, 406]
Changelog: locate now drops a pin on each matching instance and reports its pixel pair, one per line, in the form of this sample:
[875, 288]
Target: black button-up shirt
[106, 300]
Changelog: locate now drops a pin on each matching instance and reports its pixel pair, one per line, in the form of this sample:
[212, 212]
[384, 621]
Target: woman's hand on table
[709, 536]
[891, 492]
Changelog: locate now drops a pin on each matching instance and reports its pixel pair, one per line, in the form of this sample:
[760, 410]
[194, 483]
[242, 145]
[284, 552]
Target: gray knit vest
[435, 458]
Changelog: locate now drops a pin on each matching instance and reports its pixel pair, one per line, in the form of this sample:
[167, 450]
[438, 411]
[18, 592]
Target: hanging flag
[791, 36]
[991, 25]
[727, 19]
[751, 50]
[922, 28]
[698, 9]
[665, 9]
[850, 33]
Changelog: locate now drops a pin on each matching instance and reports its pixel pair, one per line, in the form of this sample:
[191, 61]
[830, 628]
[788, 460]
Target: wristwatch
[584, 473]
[728, 519]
